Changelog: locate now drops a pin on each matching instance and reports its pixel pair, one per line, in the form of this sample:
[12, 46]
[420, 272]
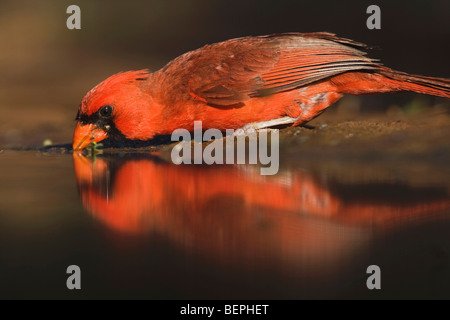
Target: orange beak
[85, 134]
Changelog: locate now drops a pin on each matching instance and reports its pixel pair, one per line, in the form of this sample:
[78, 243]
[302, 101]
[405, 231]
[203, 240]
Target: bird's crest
[112, 84]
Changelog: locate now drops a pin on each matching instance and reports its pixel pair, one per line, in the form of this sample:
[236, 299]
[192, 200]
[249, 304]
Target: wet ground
[354, 189]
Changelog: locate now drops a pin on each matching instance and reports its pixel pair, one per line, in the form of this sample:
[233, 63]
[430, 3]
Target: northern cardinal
[288, 79]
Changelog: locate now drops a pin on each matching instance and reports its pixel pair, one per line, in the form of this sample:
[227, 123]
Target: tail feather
[421, 84]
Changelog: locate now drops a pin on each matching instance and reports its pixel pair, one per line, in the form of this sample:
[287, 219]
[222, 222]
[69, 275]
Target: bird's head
[116, 108]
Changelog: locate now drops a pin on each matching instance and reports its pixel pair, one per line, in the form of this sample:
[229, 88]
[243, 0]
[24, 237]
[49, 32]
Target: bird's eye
[106, 111]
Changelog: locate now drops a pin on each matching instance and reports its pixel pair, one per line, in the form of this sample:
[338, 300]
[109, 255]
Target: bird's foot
[263, 126]
[245, 130]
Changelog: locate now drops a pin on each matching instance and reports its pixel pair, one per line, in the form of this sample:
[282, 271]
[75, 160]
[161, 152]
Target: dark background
[46, 69]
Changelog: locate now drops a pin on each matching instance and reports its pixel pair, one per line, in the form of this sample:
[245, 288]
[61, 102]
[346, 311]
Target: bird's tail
[401, 81]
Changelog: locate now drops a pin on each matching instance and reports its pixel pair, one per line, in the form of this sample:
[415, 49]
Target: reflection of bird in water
[236, 214]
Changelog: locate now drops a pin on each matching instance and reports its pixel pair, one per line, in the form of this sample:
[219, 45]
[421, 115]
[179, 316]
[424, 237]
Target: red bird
[258, 82]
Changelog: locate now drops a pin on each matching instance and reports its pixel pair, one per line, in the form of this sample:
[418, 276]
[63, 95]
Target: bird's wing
[231, 72]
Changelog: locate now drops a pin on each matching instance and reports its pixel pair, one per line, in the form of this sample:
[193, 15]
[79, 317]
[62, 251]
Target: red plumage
[233, 83]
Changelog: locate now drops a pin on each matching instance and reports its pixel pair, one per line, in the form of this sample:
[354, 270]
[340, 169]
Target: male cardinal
[250, 82]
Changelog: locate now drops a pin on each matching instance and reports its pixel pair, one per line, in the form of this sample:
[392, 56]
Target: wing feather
[231, 72]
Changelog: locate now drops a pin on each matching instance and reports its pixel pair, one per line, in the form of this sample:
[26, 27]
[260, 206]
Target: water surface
[140, 227]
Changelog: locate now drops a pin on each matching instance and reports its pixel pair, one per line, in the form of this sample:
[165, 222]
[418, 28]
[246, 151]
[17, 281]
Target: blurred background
[46, 69]
[368, 185]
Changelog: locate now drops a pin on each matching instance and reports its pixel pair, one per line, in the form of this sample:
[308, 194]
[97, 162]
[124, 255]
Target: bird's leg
[259, 126]
[314, 106]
